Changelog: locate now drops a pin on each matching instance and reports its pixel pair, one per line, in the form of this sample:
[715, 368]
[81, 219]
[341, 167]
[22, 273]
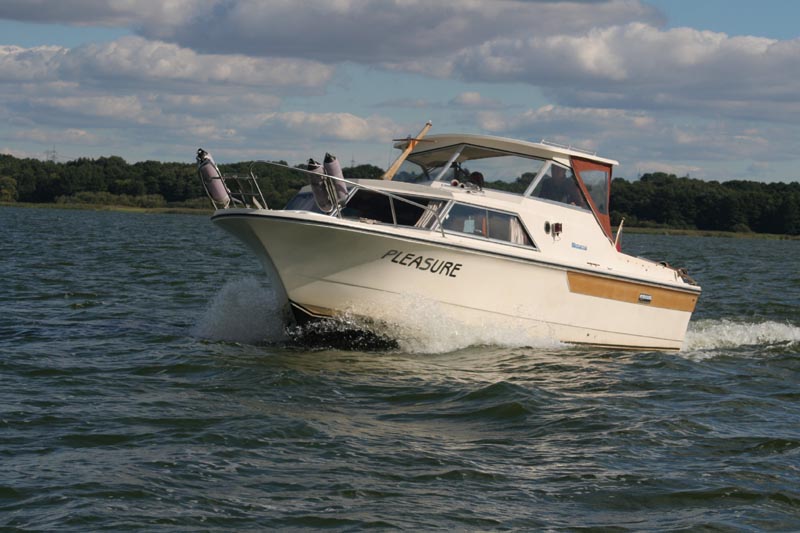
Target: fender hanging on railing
[212, 180]
[334, 168]
[318, 186]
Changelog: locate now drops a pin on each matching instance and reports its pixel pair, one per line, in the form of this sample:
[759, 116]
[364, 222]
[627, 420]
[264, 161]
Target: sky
[705, 88]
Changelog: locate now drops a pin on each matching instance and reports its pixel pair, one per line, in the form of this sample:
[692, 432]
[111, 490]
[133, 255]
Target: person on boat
[477, 179]
[561, 188]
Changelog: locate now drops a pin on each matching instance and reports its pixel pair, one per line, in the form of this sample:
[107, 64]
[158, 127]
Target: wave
[244, 310]
[709, 335]
[421, 325]
[247, 311]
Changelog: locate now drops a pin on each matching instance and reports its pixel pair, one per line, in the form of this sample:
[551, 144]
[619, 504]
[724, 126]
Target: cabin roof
[543, 150]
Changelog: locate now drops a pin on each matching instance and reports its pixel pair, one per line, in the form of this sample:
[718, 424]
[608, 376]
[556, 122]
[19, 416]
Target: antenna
[51, 155]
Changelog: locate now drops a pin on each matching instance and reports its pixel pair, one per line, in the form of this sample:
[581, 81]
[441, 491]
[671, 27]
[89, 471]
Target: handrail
[567, 147]
[241, 195]
[362, 186]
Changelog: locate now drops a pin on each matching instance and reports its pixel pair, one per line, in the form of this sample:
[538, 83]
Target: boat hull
[329, 267]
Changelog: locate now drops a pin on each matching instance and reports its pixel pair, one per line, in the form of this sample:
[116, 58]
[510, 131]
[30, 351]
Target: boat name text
[426, 264]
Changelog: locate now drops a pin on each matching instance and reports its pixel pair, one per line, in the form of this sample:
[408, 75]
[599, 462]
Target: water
[146, 383]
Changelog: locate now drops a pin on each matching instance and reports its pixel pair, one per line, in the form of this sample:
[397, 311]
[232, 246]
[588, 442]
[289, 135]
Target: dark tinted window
[375, 206]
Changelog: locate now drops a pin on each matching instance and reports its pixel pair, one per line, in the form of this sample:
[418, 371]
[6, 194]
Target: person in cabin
[559, 187]
[477, 179]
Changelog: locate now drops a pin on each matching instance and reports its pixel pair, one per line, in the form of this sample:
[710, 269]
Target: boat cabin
[471, 184]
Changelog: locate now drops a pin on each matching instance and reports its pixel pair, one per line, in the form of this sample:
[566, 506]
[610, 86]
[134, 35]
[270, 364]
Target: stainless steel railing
[353, 186]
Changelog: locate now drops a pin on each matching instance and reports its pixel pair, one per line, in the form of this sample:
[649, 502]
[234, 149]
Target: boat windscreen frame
[459, 149]
[450, 162]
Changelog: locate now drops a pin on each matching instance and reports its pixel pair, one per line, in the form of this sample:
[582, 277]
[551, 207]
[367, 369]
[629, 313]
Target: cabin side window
[486, 223]
[558, 184]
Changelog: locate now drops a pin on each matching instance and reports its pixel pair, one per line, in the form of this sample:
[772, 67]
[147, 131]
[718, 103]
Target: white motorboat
[486, 228]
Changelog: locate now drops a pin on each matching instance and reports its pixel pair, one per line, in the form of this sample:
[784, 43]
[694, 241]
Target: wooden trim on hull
[629, 292]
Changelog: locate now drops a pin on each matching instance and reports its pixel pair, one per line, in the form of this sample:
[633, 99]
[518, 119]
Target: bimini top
[544, 149]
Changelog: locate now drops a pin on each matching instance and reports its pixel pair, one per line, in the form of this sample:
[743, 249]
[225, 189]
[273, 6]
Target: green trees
[660, 199]
[656, 199]
[110, 180]
[8, 189]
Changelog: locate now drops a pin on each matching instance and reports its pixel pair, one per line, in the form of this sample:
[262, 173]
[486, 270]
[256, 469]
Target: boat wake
[710, 336]
[244, 310]
[248, 311]
[421, 325]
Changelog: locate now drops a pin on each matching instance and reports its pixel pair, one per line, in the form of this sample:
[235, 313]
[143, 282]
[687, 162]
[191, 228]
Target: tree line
[110, 180]
[665, 200]
[654, 200]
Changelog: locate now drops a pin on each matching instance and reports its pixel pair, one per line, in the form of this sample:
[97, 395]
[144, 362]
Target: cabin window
[500, 170]
[596, 182]
[375, 206]
[558, 184]
[487, 223]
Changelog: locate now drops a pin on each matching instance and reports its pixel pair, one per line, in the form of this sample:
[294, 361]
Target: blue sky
[706, 88]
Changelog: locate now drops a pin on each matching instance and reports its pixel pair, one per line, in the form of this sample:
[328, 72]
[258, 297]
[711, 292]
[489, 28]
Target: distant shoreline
[209, 211]
[708, 233]
[121, 208]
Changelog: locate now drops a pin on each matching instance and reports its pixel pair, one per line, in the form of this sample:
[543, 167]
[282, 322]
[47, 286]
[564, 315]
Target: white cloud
[115, 108]
[557, 118]
[338, 126]
[585, 54]
[133, 59]
[99, 12]
[19, 64]
[411, 103]
[237, 71]
[474, 99]
[369, 31]
[69, 135]
[137, 58]
[637, 66]
[160, 89]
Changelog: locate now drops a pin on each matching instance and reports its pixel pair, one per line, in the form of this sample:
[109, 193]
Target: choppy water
[146, 384]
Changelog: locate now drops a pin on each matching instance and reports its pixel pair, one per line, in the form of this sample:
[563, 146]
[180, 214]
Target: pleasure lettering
[425, 264]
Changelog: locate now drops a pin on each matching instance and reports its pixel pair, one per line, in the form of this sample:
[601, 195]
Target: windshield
[558, 184]
[499, 170]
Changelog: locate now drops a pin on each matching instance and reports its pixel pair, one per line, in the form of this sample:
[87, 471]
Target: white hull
[330, 266]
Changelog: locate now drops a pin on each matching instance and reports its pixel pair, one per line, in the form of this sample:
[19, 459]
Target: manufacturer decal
[425, 264]
[579, 246]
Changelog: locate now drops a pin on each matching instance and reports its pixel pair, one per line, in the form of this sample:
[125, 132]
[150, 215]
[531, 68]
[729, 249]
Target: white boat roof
[544, 150]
